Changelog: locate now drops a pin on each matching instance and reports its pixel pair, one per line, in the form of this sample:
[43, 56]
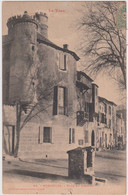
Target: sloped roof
[85, 75]
[44, 40]
[105, 100]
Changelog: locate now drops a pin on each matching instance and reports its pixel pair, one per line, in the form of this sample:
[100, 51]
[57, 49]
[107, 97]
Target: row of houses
[59, 107]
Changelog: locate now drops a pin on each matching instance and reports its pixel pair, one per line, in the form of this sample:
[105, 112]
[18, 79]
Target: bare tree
[41, 91]
[104, 41]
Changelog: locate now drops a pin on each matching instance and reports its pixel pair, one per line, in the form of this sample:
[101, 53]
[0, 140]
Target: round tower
[43, 23]
[23, 32]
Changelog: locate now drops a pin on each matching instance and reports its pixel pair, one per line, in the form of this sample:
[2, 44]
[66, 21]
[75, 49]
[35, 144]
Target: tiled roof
[44, 40]
[105, 100]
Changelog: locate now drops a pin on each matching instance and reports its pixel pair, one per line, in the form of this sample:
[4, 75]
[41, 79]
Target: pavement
[110, 165]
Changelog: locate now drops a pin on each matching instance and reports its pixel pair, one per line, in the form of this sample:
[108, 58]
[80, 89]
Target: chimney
[65, 46]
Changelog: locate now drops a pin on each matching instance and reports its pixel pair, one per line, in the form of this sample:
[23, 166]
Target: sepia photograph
[64, 97]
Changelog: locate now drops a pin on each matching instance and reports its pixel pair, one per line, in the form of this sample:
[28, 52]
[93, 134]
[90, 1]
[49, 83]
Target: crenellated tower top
[39, 19]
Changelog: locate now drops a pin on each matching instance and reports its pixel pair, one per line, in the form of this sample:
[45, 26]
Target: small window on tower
[33, 48]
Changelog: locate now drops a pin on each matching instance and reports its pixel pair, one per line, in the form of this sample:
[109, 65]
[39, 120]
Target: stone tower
[42, 20]
[22, 31]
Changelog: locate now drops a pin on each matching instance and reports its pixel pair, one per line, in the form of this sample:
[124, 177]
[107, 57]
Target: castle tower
[22, 30]
[42, 21]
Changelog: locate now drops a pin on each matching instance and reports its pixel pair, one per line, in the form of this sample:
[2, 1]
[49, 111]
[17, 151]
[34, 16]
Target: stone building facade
[106, 123]
[87, 108]
[59, 105]
[37, 70]
[120, 137]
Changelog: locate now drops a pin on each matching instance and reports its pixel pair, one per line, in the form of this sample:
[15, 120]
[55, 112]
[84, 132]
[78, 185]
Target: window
[62, 61]
[110, 110]
[47, 135]
[60, 101]
[80, 142]
[109, 123]
[103, 118]
[71, 135]
[105, 108]
[86, 136]
[33, 48]
[39, 138]
[86, 107]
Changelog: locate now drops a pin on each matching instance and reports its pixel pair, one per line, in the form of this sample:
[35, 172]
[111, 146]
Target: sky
[62, 19]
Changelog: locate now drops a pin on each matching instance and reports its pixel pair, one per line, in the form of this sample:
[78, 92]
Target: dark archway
[93, 138]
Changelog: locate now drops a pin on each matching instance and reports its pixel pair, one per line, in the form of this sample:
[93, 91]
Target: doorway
[9, 137]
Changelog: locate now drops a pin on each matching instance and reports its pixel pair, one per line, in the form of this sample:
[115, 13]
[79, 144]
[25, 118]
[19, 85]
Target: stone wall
[22, 60]
[6, 70]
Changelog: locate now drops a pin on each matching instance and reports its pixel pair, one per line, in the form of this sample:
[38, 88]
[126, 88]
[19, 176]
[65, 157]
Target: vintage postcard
[64, 97]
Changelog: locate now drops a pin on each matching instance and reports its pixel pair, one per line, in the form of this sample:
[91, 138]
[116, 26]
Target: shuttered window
[55, 100]
[39, 137]
[65, 101]
[60, 101]
[71, 135]
[44, 135]
[109, 123]
[47, 138]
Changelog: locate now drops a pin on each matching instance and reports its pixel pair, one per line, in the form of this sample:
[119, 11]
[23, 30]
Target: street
[109, 165]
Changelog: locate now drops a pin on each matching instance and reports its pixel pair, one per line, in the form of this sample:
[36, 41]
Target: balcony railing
[82, 117]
